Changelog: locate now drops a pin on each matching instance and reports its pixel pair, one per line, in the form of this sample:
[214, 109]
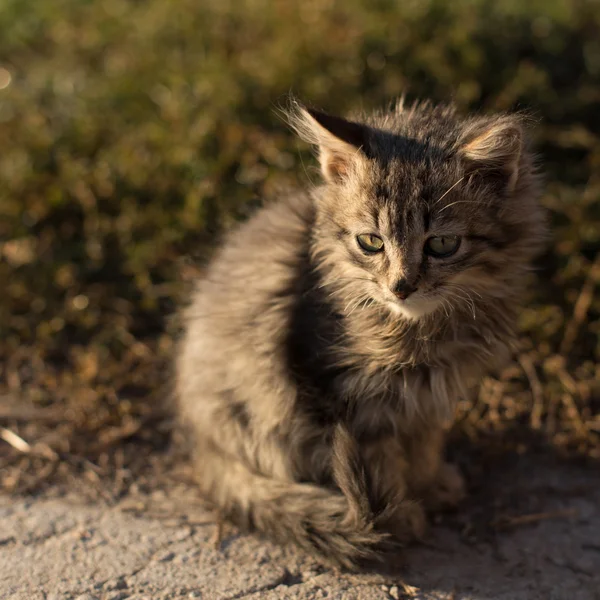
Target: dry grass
[134, 133]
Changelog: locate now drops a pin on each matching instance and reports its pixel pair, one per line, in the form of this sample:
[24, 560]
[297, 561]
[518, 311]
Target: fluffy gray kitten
[333, 333]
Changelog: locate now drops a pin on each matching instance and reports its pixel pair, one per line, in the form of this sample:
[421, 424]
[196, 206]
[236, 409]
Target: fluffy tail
[338, 526]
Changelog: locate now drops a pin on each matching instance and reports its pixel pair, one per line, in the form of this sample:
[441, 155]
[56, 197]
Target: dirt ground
[530, 531]
[136, 134]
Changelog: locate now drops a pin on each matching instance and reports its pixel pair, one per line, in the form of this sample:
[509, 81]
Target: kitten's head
[423, 212]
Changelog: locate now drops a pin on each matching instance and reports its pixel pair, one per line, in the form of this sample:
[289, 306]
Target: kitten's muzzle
[403, 289]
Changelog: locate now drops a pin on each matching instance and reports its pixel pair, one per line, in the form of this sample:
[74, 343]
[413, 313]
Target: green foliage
[135, 132]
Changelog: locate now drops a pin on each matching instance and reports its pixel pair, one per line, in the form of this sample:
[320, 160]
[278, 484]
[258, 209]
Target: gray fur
[316, 398]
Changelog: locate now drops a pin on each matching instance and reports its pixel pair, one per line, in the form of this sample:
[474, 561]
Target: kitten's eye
[370, 242]
[442, 246]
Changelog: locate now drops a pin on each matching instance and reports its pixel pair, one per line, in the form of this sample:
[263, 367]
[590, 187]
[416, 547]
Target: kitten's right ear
[496, 149]
[341, 143]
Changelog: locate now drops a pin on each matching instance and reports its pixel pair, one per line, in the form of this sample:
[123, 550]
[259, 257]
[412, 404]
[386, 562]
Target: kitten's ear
[495, 150]
[341, 143]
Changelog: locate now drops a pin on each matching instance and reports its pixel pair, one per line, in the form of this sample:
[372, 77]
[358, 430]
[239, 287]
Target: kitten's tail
[341, 528]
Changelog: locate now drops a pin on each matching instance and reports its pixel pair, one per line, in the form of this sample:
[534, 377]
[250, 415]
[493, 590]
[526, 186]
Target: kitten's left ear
[495, 150]
[341, 143]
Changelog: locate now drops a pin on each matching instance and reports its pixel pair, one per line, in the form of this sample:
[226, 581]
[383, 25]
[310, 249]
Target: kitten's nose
[403, 289]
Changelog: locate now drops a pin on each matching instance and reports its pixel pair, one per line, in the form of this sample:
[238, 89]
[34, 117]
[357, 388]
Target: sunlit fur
[316, 398]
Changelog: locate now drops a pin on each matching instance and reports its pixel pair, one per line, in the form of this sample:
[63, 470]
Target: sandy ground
[534, 533]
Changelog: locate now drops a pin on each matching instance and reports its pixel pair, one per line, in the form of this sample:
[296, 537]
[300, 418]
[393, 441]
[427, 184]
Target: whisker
[505, 208]
[344, 298]
[445, 309]
[459, 202]
[464, 295]
[447, 191]
[462, 288]
[354, 301]
[467, 299]
[360, 300]
[337, 280]
[361, 305]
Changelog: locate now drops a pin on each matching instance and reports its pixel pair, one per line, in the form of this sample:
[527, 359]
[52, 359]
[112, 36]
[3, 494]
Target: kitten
[333, 333]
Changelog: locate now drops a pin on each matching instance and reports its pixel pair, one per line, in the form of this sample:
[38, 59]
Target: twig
[411, 590]
[506, 522]
[117, 434]
[44, 451]
[580, 425]
[13, 412]
[582, 305]
[595, 547]
[17, 442]
[536, 390]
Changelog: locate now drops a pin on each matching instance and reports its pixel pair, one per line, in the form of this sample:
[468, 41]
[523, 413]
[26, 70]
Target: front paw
[447, 490]
[406, 521]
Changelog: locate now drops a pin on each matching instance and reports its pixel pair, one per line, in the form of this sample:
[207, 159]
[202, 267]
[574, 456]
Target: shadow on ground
[529, 531]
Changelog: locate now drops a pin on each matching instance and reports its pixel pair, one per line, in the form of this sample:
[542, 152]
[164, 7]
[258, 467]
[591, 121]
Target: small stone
[120, 584]
[385, 588]
[117, 584]
[182, 534]
[87, 597]
[166, 557]
[159, 495]
[394, 592]
[83, 534]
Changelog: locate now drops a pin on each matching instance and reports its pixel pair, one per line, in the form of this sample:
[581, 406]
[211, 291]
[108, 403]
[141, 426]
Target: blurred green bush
[133, 133]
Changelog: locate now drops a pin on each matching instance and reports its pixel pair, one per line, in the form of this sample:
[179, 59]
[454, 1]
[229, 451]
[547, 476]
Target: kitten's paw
[408, 522]
[448, 490]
